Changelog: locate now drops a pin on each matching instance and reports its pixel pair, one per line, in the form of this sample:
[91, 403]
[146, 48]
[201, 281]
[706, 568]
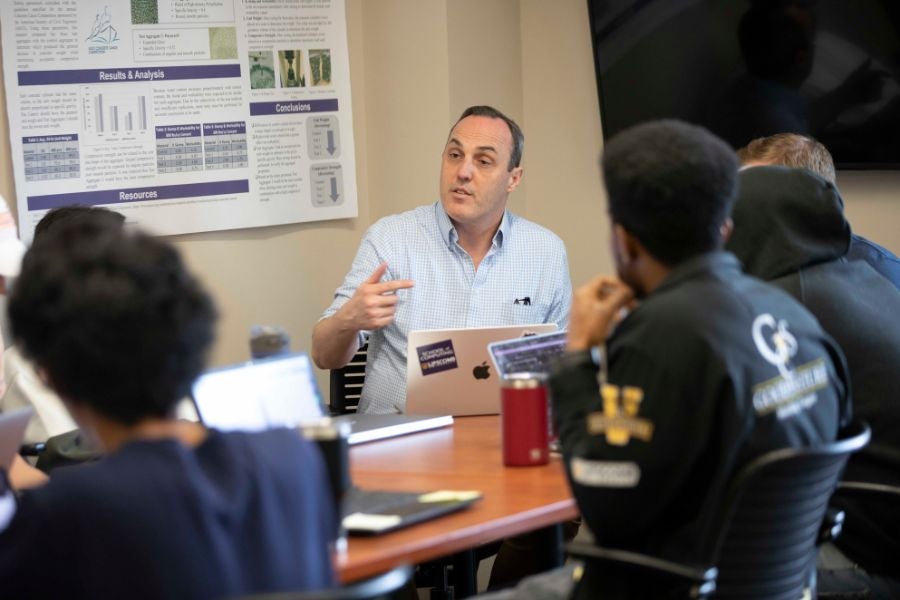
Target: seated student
[802, 152]
[23, 385]
[649, 452]
[119, 329]
[790, 230]
[11, 250]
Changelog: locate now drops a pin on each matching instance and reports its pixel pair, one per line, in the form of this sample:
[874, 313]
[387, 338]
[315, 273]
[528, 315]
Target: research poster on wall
[184, 115]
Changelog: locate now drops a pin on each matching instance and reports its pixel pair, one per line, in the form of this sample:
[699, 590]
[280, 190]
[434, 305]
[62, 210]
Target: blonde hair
[790, 150]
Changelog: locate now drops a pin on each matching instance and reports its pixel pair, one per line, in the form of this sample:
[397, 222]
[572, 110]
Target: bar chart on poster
[107, 114]
[111, 117]
[186, 116]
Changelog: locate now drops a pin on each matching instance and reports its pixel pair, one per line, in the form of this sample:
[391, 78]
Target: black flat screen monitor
[746, 69]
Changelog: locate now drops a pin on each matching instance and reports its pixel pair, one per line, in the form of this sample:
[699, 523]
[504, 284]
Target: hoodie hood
[785, 220]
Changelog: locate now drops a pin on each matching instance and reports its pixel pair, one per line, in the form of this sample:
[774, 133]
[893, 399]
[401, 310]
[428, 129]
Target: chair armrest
[704, 577]
[833, 522]
[863, 489]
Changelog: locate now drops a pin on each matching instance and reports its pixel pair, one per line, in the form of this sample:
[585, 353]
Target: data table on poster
[225, 145]
[178, 149]
[51, 157]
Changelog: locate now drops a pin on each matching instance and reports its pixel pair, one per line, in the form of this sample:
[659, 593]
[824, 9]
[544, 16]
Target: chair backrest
[772, 515]
[346, 384]
[387, 586]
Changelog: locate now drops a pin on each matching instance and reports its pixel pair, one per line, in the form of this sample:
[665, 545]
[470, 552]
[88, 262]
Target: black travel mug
[333, 439]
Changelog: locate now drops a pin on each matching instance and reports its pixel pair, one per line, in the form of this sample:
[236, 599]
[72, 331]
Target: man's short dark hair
[518, 138]
[113, 318]
[791, 150]
[95, 216]
[672, 186]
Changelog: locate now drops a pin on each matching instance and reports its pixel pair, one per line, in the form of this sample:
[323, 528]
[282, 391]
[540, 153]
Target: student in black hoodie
[790, 230]
[803, 152]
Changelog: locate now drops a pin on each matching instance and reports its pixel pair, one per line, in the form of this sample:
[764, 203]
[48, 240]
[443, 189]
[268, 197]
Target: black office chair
[853, 584]
[387, 586]
[347, 383]
[765, 533]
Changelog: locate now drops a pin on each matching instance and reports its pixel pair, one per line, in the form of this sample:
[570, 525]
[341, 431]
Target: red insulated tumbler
[523, 416]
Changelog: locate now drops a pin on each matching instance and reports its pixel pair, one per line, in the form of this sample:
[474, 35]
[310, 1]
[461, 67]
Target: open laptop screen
[531, 354]
[275, 392]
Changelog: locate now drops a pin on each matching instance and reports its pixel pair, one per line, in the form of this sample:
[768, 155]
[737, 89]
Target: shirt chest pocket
[523, 310]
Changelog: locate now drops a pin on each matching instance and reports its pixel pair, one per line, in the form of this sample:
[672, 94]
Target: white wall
[562, 118]
[872, 205]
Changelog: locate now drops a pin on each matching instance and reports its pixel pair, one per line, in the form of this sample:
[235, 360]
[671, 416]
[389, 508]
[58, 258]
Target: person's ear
[726, 229]
[515, 178]
[80, 413]
[625, 244]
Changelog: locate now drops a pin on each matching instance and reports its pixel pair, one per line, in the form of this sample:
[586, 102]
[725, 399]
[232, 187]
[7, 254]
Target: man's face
[475, 181]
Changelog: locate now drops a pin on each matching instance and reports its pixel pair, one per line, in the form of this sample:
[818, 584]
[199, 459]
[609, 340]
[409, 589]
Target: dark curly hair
[672, 185]
[91, 216]
[113, 318]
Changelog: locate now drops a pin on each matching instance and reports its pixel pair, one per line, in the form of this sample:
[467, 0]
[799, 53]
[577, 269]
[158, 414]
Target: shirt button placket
[475, 292]
[473, 306]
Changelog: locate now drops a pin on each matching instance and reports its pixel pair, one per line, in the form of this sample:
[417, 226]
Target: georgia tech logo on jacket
[619, 419]
[783, 345]
[794, 389]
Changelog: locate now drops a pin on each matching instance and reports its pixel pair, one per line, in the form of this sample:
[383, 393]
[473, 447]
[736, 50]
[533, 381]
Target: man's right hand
[374, 303]
[595, 309]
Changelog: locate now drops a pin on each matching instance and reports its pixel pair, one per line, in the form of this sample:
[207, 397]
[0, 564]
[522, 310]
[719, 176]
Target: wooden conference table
[466, 456]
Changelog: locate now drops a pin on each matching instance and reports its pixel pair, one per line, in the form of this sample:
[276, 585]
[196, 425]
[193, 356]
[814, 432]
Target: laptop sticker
[437, 357]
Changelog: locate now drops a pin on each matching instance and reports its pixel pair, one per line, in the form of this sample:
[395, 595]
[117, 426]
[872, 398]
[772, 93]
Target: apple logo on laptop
[482, 371]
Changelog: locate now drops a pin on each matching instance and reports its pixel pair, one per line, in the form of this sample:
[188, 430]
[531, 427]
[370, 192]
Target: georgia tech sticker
[619, 420]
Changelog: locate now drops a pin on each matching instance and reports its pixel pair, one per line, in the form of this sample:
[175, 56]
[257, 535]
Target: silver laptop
[532, 354]
[12, 432]
[449, 370]
[281, 391]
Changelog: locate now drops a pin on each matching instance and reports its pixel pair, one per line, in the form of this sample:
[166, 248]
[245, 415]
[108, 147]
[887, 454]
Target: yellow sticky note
[450, 496]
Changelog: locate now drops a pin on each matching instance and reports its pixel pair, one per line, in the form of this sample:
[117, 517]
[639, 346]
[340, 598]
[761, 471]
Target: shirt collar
[718, 263]
[448, 231]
